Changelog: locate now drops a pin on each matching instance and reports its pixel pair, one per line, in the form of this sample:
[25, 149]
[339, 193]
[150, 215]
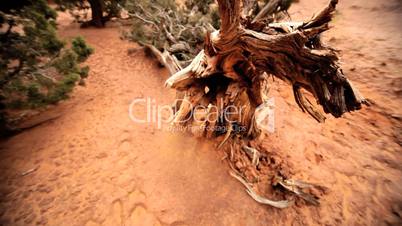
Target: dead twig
[29, 171]
[296, 187]
[253, 154]
[278, 204]
[228, 133]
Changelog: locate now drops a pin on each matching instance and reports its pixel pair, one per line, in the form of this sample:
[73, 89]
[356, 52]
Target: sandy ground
[94, 166]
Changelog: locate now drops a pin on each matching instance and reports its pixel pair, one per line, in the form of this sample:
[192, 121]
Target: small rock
[101, 155]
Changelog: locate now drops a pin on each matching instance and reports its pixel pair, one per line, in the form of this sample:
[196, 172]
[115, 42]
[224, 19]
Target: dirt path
[94, 166]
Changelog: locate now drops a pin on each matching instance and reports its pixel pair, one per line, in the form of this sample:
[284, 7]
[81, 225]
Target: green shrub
[80, 47]
[67, 62]
[84, 71]
[62, 89]
[44, 80]
[35, 97]
[36, 68]
[70, 79]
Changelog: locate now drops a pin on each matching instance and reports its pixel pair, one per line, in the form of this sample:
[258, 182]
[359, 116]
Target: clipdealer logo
[162, 114]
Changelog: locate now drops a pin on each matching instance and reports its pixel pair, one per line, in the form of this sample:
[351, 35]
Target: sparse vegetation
[179, 31]
[79, 9]
[36, 67]
[82, 50]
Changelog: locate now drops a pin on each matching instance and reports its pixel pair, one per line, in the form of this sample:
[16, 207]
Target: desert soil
[93, 166]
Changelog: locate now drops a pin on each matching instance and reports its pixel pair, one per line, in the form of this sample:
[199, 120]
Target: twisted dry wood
[290, 51]
[233, 70]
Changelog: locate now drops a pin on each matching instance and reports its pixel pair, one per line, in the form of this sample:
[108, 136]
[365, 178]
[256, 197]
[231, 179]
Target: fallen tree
[231, 72]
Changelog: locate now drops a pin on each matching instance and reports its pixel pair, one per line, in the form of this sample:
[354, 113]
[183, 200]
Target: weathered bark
[233, 70]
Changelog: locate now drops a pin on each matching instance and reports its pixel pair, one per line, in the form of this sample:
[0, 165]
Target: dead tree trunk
[97, 13]
[232, 73]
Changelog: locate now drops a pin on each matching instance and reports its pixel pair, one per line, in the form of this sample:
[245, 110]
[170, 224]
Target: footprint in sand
[125, 144]
[115, 215]
[91, 223]
[141, 216]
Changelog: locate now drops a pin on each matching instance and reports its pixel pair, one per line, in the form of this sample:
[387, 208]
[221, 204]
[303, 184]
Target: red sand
[93, 166]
